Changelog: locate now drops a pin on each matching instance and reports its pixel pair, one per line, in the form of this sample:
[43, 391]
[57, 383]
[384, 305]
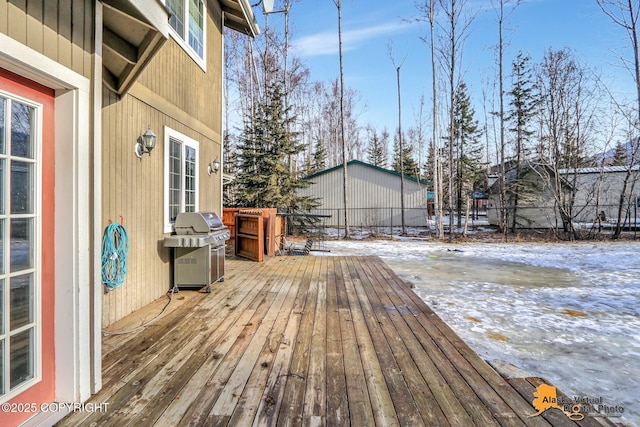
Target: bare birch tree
[400, 142]
[427, 9]
[455, 29]
[567, 117]
[437, 179]
[501, 15]
[625, 13]
[345, 180]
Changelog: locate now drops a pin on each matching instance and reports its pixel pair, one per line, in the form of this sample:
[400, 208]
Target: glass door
[19, 290]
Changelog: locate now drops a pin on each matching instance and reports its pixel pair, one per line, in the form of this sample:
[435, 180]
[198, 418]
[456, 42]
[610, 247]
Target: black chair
[301, 251]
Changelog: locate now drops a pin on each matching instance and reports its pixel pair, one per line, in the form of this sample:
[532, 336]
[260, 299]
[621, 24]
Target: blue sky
[370, 26]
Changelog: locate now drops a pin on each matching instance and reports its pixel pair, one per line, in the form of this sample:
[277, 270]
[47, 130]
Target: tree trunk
[345, 180]
[632, 30]
[437, 188]
[502, 186]
[452, 90]
[466, 217]
[404, 230]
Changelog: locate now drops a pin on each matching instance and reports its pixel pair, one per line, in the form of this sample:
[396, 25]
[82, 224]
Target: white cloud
[326, 42]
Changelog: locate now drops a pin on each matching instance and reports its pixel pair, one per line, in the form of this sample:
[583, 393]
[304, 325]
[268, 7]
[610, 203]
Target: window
[181, 176]
[19, 243]
[188, 23]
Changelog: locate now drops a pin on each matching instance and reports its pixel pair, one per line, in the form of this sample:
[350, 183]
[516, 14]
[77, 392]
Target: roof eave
[134, 31]
[239, 16]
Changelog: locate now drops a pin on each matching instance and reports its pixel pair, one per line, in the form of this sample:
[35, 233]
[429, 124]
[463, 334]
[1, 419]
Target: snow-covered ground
[567, 312]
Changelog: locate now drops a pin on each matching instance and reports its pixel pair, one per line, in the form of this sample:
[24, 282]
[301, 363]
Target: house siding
[60, 30]
[133, 188]
[59, 44]
[200, 95]
[38, 42]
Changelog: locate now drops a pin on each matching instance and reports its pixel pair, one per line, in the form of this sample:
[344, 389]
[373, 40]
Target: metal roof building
[373, 196]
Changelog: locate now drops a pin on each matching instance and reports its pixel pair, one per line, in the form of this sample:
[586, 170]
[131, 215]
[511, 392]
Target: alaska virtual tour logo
[546, 397]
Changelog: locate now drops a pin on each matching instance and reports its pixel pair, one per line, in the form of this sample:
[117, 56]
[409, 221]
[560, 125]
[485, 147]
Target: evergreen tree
[409, 163]
[377, 151]
[319, 158]
[468, 164]
[230, 168]
[621, 155]
[265, 178]
[524, 103]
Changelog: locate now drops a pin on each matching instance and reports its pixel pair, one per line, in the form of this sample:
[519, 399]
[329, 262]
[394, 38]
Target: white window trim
[183, 39]
[37, 267]
[186, 142]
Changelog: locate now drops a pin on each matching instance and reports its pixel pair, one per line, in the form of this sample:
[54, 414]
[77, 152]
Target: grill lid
[197, 223]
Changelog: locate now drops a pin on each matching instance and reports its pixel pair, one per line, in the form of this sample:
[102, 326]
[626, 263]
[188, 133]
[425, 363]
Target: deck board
[455, 396]
[442, 406]
[380, 402]
[337, 397]
[304, 341]
[292, 400]
[492, 391]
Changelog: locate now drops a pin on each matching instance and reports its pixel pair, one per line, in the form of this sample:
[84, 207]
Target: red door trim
[44, 391]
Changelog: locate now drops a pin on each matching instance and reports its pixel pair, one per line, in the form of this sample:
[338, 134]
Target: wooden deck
[310, 341]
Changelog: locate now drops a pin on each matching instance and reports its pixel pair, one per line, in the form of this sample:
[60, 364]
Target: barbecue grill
[198, 250]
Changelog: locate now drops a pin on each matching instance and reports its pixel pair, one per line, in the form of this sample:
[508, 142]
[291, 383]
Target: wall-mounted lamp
[146, 142]
[214, 167]
[267, 6]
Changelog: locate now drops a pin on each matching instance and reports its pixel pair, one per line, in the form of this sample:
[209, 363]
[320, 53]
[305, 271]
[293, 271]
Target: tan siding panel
[3, 16]
[77, 36]
[134, 188]
[47, 28]
[173, 91]
[50, 33]
[89, 36]
[215, 73]
[64, 32]
[35, 28]
[127, 185]
[17, 21]
[197, 95]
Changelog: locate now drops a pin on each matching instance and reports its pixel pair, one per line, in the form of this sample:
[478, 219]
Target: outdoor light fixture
[146, 142]
[214, 167]
[267, 6]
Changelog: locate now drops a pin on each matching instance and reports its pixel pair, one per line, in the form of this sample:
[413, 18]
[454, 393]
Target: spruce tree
[620, 155]
[377, 151]
[468, 163]
[230, 168]
[265, 178]
[319, 158]
[409, 163]
[524, 103]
